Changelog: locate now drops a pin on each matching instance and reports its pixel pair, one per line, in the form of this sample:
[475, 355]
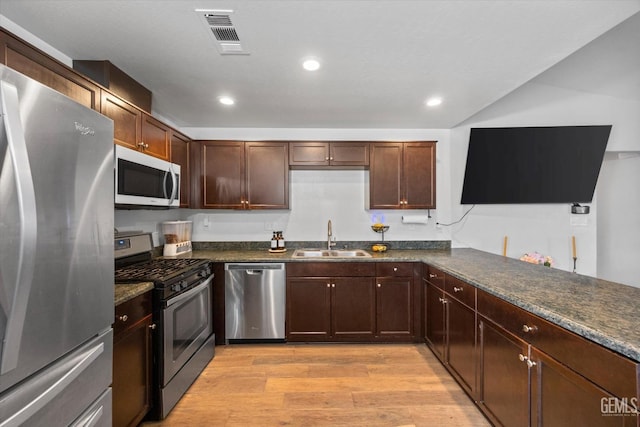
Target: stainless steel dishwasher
[254, 301]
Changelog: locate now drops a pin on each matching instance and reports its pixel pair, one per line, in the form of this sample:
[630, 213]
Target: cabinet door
[504, 377]
[132, 374]
[222, 169]
[418, 177]
[126, 120]
[31, 62]
[385, 175]
[267, 175]
[308, 309]
[561, 397]
[155, 137]
[394, 307]
[435, 320]
[349, 153]
[180, 146]
[353, 307]
[461, 341]
[308, 153]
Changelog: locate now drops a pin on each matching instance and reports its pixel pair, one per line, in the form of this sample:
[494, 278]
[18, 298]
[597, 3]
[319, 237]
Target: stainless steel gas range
[183, 341]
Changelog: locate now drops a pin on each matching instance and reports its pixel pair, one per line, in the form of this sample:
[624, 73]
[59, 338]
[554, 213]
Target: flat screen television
[555, 164]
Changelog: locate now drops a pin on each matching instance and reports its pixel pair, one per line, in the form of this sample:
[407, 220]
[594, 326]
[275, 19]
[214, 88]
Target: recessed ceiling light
[311, 64]
[433, 102]
[226, 100]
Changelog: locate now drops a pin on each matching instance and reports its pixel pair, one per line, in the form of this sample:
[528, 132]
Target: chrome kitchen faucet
[330, 242]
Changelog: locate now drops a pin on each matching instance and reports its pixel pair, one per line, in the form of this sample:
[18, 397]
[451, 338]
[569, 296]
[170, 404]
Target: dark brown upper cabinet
[402, 175]
[336, 155]
[135, 129]
[26, 59]
[180, 148]
[244, 175]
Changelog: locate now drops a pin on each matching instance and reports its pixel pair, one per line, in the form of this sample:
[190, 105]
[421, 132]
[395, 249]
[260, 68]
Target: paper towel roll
[415, 219]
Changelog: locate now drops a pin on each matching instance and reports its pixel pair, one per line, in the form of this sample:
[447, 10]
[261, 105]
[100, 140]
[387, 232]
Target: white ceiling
[380, 59]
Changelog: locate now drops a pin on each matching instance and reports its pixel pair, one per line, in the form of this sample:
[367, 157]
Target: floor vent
[221, 27]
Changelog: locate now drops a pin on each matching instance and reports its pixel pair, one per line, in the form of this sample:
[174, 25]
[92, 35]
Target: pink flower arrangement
[536, 258]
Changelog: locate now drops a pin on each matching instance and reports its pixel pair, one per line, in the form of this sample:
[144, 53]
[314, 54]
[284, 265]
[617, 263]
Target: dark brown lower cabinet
[435, 331]
[561, 397]
[394, 307]
[450, 332]
[461, 343]
[504, 385]
[330, 308]
[132, 360]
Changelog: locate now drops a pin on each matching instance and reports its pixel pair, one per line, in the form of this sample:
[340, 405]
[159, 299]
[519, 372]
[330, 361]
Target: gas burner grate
[156, 270]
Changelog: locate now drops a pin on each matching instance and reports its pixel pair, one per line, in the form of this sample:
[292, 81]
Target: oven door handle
[189, 293]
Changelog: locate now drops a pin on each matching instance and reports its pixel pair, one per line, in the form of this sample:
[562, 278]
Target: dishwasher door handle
[254, 272]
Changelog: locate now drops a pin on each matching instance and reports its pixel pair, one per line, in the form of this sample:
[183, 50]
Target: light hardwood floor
[324, 384]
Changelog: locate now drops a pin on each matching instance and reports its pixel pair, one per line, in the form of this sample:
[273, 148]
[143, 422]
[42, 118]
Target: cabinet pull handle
[152, 326]
[124, 317]
[457, 289]
[531, 329]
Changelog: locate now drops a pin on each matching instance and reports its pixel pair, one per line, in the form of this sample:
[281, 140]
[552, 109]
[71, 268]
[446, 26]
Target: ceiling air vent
[224, 34]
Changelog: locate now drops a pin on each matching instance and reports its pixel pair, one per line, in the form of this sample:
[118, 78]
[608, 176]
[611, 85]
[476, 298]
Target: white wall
[600, 84]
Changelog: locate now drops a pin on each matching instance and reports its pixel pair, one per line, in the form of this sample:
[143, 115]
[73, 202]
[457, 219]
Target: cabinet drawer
[131, 312]
[434, 276]
[611, 371]
[462, 291]
[391, 269]
[331, 269]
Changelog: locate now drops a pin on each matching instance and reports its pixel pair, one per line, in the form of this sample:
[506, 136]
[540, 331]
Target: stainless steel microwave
[145, 181]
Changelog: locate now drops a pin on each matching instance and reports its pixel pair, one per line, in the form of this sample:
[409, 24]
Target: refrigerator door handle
[56, 388]
[15, 296]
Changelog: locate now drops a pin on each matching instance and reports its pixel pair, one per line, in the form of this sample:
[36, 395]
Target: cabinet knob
[432, 276]
[333, 285]
[379, 285]
[326, 158]
[457, 289]
[522, 357]
[330, 158]
[531, 363]
[124, 317]
[328, 285]
[152, 326]
[529, 329]
[395, 268]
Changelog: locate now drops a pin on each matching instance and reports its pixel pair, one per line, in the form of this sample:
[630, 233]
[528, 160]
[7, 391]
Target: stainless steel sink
[333, 253]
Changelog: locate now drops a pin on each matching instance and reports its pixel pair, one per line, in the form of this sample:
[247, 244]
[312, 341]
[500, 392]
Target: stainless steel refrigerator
[56, 258]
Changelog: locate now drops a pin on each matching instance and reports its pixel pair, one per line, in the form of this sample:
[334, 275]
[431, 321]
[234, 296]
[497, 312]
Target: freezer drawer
[62, 392]
[255, 301]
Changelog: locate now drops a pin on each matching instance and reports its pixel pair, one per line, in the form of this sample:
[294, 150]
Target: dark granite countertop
[126, 291]
[605, 312]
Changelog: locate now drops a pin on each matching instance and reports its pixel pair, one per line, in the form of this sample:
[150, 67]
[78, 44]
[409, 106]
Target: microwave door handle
[15, 296]
[164, 184]
[174, 186]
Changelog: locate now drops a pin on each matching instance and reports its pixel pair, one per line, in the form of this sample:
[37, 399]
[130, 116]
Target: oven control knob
[183, 284]
[175, 287]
